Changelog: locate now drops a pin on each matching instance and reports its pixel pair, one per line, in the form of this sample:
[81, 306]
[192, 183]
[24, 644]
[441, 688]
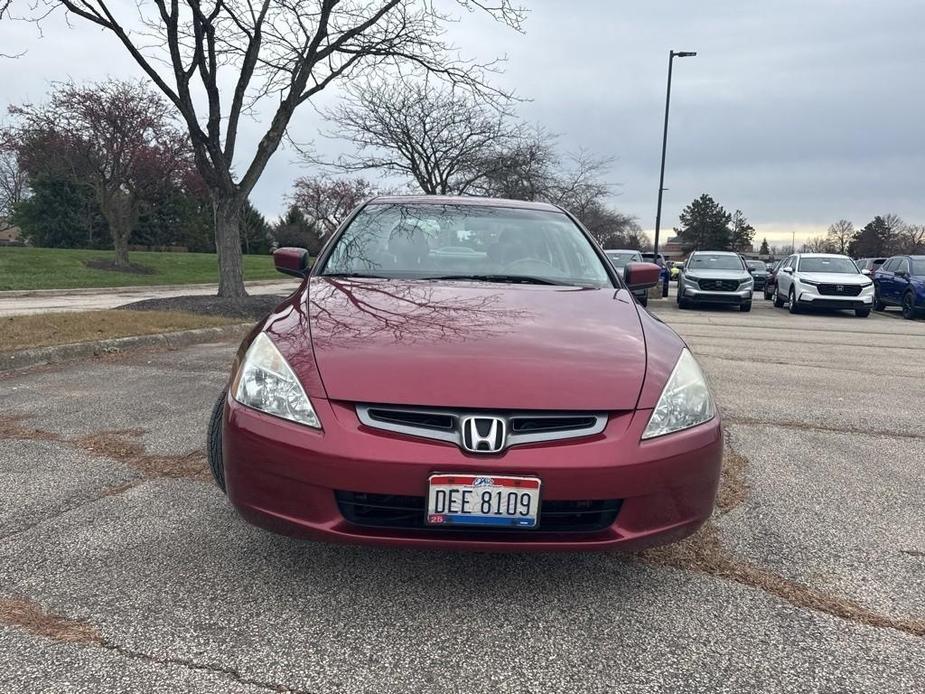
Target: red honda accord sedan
[467, 373]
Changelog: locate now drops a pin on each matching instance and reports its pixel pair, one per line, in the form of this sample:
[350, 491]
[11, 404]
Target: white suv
[823, 280]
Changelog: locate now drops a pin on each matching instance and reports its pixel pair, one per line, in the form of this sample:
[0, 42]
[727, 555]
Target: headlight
[746, 284]
[866, 285]
[685, 401]
[811, 283]
[266, 383]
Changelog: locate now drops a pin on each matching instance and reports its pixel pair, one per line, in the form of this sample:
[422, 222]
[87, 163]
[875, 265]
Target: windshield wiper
[513, 279]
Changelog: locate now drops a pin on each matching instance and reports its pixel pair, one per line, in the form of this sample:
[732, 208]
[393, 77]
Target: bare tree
[840, 234]
[328, 201]
[913, 239]
[279, 52]
[436, 136]
[13, 183]
[117, 138]
[819, 244]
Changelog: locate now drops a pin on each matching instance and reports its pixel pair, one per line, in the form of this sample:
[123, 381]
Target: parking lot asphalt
[122, 568]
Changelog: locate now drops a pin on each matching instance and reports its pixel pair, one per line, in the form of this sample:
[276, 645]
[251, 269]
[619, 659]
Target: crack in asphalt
[34, 618]
[821, 428]
[120, 445]
[704, 553]
[117, 444]
[81, 502]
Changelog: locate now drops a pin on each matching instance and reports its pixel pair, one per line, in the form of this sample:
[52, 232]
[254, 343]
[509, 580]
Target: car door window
[902, 265]
[889, 265]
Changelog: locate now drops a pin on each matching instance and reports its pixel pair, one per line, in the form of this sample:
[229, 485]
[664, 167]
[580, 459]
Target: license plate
[495, 500]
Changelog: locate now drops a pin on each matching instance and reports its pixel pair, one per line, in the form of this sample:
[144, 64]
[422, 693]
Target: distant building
[9, 235]
[672, 248]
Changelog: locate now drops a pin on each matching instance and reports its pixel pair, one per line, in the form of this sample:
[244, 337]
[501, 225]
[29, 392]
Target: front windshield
[618, 260]
[837, 265]
[757, 265]
[471, 242]
[710, 261]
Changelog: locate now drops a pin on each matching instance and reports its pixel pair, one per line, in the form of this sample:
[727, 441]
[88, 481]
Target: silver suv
[715, 277]
[823, 280]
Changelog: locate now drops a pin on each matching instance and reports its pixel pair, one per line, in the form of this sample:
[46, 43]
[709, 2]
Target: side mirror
[788, 270]
[865, 271]
[641, 275]
[292, 261]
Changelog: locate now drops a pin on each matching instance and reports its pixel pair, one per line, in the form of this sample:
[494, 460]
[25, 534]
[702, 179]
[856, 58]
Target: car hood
[475, 344]
[834, 277]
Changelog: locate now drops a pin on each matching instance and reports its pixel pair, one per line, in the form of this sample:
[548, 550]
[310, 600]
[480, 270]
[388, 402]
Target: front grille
[407, 513]
[427, 420]
[444, 424]
[718, 285]
[528, 424]
[839, 289]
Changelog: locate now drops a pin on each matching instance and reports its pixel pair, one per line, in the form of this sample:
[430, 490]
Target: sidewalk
[53, 300]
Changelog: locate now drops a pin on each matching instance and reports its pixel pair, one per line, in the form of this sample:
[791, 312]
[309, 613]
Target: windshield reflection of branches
[402, 236]
[347, 310]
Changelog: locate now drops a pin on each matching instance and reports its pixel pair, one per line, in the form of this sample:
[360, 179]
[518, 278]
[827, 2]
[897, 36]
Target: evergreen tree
[705, 226]
[764, 250]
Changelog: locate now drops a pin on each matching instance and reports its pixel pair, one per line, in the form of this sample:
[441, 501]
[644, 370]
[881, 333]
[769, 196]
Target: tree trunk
[228, 245]
[120, 243]
[121, 213]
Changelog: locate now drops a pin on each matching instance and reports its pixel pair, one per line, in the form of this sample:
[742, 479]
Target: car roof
[822, 255]
[718, 253]
[621, 250]
[462, 200]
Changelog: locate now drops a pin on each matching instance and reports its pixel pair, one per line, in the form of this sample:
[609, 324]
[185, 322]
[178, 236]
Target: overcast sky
[798, 112]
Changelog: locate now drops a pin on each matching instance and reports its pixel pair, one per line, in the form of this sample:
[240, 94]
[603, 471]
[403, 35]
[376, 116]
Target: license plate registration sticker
[485, 500]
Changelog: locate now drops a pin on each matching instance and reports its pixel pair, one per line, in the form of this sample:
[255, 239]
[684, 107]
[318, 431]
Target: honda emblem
[483, 434]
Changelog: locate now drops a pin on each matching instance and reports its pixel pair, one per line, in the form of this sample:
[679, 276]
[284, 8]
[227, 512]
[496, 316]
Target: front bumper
[287, 478]
[811, 299]
[741, 296]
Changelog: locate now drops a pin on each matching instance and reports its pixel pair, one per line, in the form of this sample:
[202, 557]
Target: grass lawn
[59, 268]
[24, 332]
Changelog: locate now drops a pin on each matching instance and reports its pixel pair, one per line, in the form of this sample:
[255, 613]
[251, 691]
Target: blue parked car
[900, 281]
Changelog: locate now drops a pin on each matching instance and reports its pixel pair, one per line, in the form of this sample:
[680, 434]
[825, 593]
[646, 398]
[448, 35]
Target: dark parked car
[759, 272]
[869, 264]
[715, 277]
[770, 283]
[619, 258]
[513, 398]
[900, 281]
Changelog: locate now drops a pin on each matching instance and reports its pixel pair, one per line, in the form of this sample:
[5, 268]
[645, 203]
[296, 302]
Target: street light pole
[661, 178]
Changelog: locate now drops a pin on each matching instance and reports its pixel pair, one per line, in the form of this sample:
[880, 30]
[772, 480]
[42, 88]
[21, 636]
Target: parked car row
[801, 280]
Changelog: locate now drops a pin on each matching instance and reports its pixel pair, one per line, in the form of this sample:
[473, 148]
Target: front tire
[794, 306]
[745, 308]
[778, 302]
[862, 312]
[909, 306]
[215, 441]
[878, 304]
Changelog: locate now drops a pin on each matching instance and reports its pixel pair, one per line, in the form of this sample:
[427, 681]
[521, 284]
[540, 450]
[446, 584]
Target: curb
[54, 354]
[134, 289]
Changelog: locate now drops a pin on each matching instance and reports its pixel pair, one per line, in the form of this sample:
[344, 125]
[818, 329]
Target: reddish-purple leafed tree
[118, 138]
[328, 201]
